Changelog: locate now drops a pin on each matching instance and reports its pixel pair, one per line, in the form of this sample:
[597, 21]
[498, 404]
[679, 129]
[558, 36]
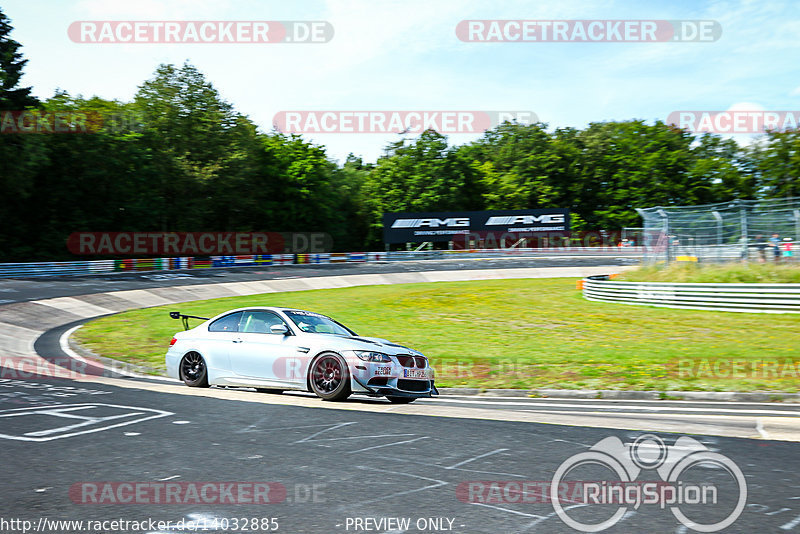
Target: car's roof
[268, 308]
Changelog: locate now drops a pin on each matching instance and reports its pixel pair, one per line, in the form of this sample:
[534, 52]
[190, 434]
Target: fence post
[718, 217]
[743, 216]
[668, 248]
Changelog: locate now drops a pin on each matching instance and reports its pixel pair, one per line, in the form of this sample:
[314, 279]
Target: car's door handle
[238, 340]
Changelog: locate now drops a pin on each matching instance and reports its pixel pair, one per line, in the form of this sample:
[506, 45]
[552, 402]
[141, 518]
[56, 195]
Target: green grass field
[728, 273]
[516, 334]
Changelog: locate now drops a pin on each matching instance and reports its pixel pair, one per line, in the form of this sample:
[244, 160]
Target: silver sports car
[277, 349]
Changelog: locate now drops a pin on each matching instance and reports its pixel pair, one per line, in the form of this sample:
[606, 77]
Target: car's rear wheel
[401, 400]
[329, 378]
[269, 390]
[193, 371]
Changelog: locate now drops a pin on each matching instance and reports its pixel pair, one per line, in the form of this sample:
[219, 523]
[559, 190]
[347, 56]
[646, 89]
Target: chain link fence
[741, 230]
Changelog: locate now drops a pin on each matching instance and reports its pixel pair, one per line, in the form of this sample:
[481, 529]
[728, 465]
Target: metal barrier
[55, 268]
[753, 298]
[82, 268]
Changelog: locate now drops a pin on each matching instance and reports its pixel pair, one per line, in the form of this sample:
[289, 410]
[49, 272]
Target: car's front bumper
[395, 387]
[389, 379]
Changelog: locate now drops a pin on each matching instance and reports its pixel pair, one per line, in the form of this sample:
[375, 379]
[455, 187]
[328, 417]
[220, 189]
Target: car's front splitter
[393, 392]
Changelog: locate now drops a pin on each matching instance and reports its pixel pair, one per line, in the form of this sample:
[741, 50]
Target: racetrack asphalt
[360, 459]
[335, 464]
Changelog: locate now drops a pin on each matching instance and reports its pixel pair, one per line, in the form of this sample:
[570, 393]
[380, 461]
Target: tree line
[180, 158]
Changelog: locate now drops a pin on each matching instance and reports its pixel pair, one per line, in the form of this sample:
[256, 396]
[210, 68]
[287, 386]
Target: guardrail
[753, 298]
[63, 268]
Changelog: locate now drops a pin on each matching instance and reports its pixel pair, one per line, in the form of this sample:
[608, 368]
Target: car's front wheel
[329, 378]
[193, 371]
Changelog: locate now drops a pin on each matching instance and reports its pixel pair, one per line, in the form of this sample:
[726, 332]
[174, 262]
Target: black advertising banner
[416, 227]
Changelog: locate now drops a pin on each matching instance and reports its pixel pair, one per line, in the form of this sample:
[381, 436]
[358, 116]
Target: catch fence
[756, 230]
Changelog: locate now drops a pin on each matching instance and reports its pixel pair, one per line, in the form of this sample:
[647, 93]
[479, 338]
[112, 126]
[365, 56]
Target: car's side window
[228, 323]
[258, 322]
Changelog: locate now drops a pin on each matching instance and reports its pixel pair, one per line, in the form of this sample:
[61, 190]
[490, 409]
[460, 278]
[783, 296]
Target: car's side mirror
[279, 329]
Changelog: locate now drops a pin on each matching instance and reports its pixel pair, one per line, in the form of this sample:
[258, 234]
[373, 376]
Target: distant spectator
[775, 243]
[787, 248]
[761, 247]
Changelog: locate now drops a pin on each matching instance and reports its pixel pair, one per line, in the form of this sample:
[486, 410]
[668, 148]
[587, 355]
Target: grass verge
[739, 273]
[537, 333]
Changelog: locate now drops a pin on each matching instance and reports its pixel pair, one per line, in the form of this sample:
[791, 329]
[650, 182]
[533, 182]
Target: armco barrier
[60, 268]
[44, 269]
[753, 298]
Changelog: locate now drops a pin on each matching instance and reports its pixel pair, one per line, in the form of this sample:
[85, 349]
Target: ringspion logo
[588, 31]
[199, 31]
[689, 502]
[442, 121]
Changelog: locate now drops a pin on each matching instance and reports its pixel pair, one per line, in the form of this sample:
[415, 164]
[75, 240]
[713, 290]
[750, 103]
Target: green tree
[776, 164]
[12, 97]
[20, 155]
[425, 174]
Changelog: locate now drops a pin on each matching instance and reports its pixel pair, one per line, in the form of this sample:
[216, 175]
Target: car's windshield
[318, 324]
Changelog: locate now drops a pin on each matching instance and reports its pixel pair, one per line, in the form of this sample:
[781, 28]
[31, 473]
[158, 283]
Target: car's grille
[413, 385]
[406, 360]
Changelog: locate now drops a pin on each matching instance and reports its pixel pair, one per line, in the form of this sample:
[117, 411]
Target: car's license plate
[383, 371]
[416, 373]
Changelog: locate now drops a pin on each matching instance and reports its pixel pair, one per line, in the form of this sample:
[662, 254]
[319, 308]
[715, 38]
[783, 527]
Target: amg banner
[408, 227]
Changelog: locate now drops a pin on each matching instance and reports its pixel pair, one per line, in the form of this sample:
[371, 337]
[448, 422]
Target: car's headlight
[369, 356]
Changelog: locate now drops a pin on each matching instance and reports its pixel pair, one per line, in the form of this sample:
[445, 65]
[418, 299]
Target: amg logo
[460, 222]
[512, 220]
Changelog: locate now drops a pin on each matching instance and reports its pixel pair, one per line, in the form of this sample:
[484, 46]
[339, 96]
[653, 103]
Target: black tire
[193, 371]
[329, 377]
[401, 400]
[269, 390]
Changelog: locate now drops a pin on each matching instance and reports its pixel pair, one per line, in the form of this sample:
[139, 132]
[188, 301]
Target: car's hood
[362, 343]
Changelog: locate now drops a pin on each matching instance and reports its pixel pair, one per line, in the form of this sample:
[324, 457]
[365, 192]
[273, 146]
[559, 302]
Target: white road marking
[438, 483]
[532, 405]
[64, 411]
[365, 437]
[760, 429]
[86, 421]
[551, 514]
[459, 464]
[549, 400]
[791, 524]
[389, 444]
[63, 343]
[507, 510]
[169, 478]
[332, 427]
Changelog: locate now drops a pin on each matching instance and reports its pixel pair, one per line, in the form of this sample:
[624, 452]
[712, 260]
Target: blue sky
[404, 55]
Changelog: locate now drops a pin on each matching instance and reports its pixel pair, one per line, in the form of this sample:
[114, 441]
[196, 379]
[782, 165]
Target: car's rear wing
[185, 318]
